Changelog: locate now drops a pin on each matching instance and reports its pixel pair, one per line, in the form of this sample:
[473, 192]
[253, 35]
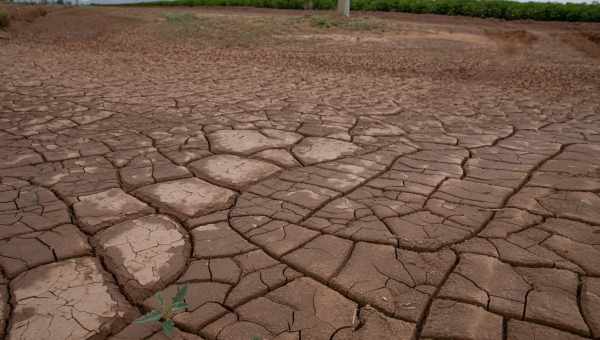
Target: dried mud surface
[390, 176]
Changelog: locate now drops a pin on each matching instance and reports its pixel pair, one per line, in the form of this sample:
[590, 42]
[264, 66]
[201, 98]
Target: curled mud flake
[232, 171]
[145, 254]
[316, 150]
[187, 198]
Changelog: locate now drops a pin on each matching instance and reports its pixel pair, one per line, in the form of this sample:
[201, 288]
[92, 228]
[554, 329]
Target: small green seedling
[167, 311]
[256, 337]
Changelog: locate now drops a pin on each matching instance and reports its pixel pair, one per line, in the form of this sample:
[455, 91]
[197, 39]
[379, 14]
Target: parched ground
[308, 178]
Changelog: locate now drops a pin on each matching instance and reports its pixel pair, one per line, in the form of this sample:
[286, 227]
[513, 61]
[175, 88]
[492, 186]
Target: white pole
[343, 7]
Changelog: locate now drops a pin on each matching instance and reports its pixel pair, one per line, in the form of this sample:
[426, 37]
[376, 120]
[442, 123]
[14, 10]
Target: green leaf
[168, 327]
[181, 293]
[178, 306]
[154, 315]
[256, 337]
[160, 299]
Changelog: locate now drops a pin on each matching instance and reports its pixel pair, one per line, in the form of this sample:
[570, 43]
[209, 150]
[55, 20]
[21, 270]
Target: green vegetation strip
[501, 9]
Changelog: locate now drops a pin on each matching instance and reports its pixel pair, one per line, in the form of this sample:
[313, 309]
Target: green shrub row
[501, 9]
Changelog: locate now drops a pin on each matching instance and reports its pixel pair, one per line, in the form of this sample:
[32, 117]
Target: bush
[4, 19]
[509, 10]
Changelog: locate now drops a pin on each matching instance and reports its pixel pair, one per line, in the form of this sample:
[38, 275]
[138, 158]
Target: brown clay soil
[548, 56]
[307, 177]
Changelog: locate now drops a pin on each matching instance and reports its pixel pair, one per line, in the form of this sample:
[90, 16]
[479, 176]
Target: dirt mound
[592, 36]
[25, 13]
[512, 42]
[587, 42]
[73, 26]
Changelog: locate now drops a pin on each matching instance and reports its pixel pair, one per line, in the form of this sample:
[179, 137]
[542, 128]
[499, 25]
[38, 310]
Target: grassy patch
[321, 21]
[4, 19]
[502, 9]
[231, 31]
[167, 310]
[179, 18]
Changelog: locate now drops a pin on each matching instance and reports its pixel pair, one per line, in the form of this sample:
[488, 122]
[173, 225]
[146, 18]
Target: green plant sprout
[256, 337]
[166, 311]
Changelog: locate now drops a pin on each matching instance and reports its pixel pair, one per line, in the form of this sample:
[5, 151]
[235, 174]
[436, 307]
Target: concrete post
[343, 7]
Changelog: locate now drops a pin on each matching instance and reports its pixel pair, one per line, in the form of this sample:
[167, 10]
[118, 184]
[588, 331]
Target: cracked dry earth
[296, 204]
